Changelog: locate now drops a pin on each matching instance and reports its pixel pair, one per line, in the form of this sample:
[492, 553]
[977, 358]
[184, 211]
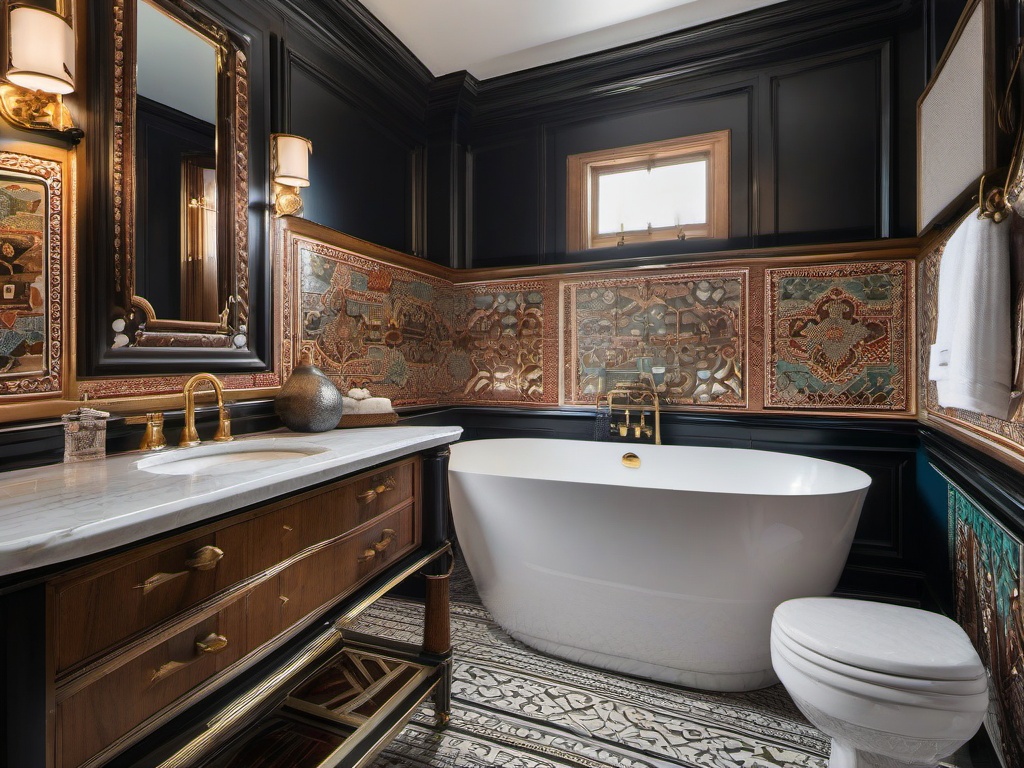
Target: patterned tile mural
[684, 333]
[372, 325]
[838, 337]
[500, 342]
[418, 339]
[31, 324]
[987, 586]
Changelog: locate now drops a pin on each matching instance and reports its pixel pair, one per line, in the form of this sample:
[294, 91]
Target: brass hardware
[368, 496]
[153, 438]
[189, 435]
[630, 460]
[287, 528]
[642, 394]
[212, 643]
[283, 599]
[38, 111]
[205, 558]
[388, 535]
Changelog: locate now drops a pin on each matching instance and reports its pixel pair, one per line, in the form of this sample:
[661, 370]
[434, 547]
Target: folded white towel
[353, 407]
[971, 359]
[375, 406]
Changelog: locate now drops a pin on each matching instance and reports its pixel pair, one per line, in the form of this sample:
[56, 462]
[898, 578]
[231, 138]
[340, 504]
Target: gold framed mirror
[180, 172]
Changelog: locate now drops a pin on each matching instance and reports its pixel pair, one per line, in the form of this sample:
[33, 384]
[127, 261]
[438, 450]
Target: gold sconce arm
[39, 65]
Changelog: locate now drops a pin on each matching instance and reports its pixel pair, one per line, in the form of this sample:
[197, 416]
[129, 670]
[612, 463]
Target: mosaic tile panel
[417, 339]
[31, 274]
[987, 587]
[838, 337]
[500, 342]
[369, 324]
[683, 333]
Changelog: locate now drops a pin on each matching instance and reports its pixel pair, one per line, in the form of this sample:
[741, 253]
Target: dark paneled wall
[819, 98]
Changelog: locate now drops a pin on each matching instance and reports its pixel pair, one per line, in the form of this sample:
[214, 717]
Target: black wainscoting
[887, 560]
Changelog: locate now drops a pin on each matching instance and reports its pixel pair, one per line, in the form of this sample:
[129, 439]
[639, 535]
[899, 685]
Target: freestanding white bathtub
[669, 571]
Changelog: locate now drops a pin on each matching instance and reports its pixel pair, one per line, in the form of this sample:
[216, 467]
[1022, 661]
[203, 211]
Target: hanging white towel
[971, 359]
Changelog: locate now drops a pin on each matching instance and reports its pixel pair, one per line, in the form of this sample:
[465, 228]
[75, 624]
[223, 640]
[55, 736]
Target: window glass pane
[665, 196]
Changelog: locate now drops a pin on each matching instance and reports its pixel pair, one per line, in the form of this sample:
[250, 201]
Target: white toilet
[893, 686]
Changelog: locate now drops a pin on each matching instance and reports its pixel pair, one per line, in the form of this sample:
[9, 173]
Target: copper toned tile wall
[684, 332]
[837, 338]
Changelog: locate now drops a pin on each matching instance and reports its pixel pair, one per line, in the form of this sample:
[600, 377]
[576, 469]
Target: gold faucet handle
[223, 434]
[153, 438]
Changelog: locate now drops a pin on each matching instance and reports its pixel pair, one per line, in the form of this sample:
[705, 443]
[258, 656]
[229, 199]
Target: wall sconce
[39, 67]
[289, 159]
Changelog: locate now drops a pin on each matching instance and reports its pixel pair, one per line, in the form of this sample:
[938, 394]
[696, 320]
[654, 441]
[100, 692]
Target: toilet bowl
[893, 687]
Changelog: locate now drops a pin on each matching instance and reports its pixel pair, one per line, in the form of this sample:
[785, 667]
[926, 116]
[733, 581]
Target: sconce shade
[41, 50]
[292, 168]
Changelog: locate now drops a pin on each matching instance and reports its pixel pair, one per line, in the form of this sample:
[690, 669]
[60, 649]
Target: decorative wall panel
[502, 337]
[987, 587]
[838, 336]
[31, 277]
[369, 324]
[425, 335]
[682, 332]
[418, 339]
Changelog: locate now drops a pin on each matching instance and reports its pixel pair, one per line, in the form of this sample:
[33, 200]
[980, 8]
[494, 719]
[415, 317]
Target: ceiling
[489, 38]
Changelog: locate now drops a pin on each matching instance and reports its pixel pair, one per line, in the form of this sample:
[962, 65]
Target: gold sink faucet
[189, 435]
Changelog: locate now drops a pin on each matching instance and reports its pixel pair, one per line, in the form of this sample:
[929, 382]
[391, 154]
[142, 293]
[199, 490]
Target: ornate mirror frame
[121, 334]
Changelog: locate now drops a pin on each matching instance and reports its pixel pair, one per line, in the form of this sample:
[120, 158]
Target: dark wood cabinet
[128, 642]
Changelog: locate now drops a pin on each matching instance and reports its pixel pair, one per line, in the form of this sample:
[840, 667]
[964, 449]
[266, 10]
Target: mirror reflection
[176, 268]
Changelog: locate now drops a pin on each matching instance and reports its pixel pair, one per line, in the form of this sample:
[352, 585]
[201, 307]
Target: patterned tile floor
[518, 708]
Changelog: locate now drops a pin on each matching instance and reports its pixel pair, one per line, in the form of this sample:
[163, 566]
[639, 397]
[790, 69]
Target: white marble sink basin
[229, 458]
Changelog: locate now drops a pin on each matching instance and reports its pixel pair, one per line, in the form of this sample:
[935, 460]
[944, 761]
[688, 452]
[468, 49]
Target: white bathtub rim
[863, 480]
[727, 682]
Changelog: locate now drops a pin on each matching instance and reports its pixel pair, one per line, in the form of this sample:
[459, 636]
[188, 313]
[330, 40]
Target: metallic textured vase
[309, 401]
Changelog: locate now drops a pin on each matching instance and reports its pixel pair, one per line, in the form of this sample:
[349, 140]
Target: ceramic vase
[308, 401]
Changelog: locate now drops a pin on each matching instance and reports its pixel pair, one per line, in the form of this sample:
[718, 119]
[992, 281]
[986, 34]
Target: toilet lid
[887, 638]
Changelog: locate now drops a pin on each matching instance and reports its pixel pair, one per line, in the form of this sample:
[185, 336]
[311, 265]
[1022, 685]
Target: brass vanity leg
[437, 639]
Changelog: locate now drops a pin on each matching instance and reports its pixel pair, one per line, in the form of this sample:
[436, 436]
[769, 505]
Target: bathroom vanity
[187, 608]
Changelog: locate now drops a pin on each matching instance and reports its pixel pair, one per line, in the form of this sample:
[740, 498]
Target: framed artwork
[956, 119]
[31, 277]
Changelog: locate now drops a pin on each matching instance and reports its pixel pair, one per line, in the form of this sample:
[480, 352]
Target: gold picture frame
[33, 332]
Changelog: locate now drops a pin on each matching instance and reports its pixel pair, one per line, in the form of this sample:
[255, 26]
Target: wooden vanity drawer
[126, 594]
[329, 512]
[326, 575]
[105, 709]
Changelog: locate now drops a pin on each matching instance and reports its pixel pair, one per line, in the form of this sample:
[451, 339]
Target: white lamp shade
[292, 168]
[42, 50]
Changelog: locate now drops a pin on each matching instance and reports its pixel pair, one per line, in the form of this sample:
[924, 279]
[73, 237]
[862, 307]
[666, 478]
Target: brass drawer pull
[368, 496]
[378, 549]
[203, 559]
[211, 644]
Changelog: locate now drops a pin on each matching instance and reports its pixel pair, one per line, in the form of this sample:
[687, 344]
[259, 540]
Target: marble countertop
[57, 513]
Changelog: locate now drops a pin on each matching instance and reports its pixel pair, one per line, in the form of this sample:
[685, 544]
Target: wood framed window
[663, 190]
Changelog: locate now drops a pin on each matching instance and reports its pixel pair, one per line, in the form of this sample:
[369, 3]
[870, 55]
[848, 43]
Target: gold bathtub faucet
[189, 435]
[639, 397]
